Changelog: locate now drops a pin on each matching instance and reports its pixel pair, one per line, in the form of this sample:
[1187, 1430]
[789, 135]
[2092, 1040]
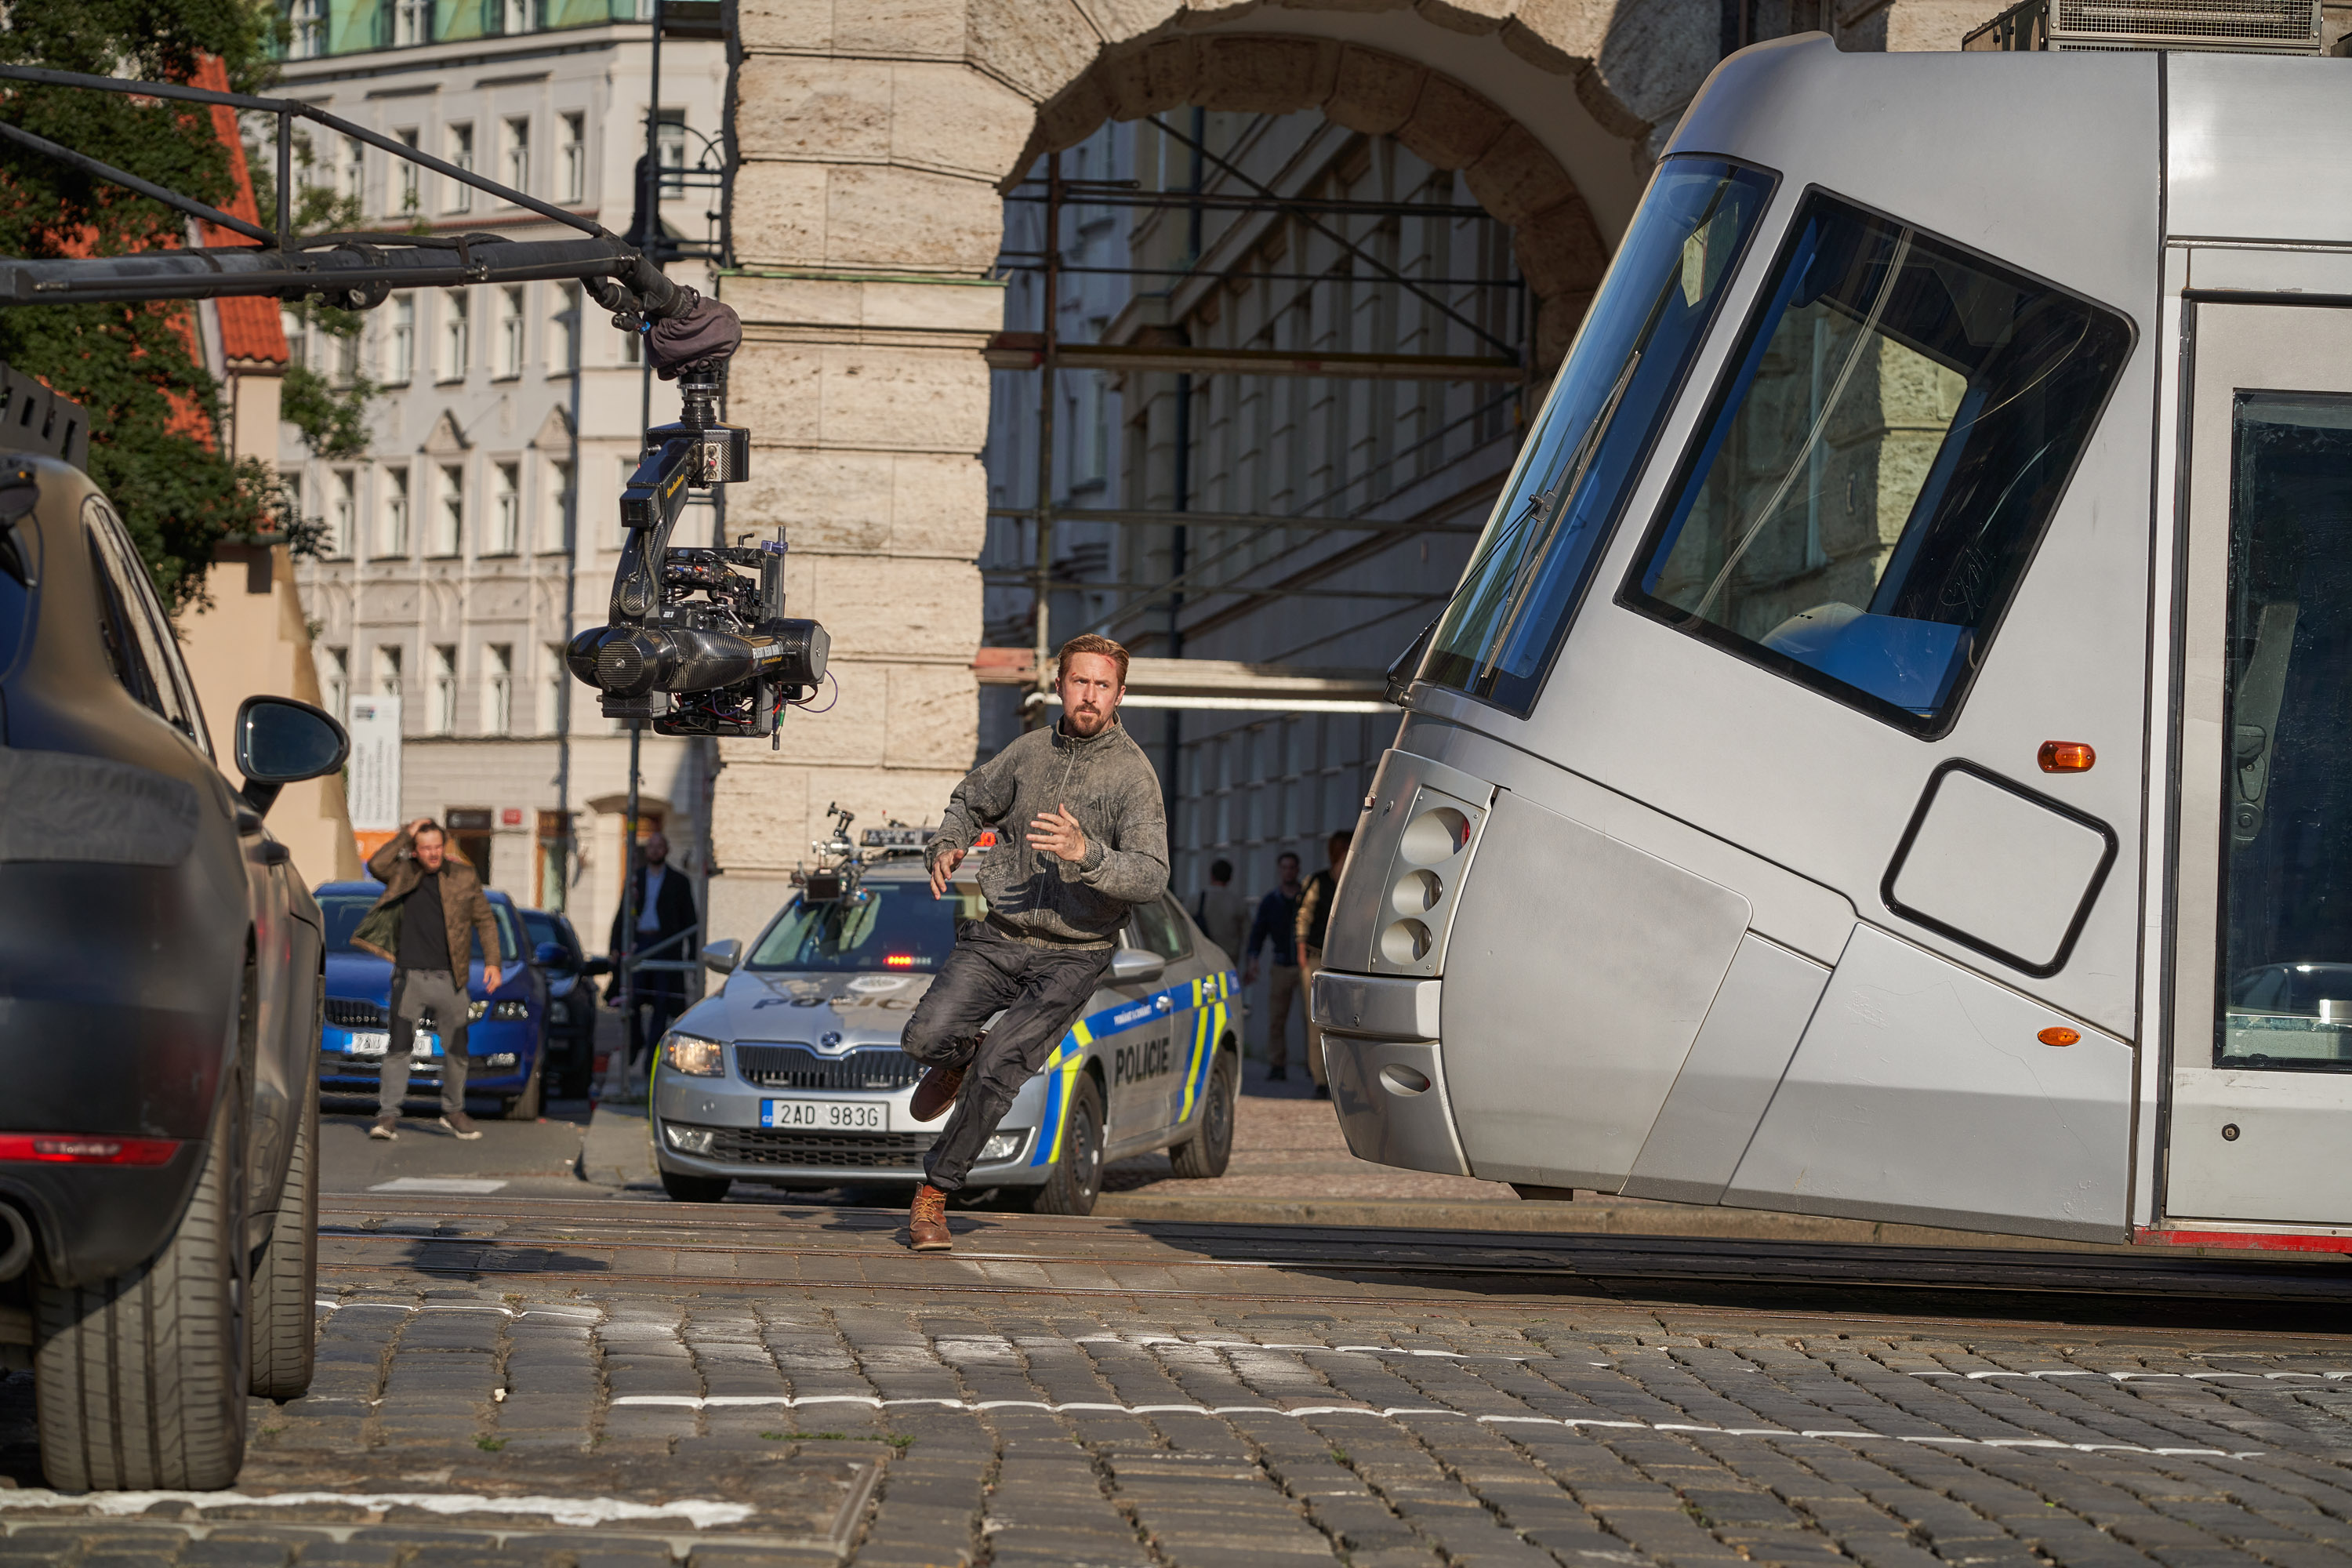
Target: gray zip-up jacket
[1109, 786]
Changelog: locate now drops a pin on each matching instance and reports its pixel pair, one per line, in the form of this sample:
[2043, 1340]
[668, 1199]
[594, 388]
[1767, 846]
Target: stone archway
[873, 143]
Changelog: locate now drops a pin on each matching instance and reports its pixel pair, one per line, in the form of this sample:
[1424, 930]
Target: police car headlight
[508, 1012]
[694, 1057]
[1003, 1146]
[690, 1140]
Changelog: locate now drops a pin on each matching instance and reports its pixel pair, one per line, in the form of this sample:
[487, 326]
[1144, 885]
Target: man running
[1096, 846]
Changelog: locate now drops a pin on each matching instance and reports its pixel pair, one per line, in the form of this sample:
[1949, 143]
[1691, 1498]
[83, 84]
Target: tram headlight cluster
[1430, 856]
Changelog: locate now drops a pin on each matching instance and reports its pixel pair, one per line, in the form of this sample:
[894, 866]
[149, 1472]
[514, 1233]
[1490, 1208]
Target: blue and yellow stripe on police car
[1069, 1058]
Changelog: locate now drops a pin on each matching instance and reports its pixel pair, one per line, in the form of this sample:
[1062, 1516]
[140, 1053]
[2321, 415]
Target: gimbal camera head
[691, 645]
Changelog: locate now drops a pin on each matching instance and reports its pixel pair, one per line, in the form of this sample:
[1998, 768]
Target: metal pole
[652, 197]
[285, 179]
[629, 889]
[570, 609]
[1047, 378]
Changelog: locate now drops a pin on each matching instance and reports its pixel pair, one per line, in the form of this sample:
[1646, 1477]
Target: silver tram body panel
[1695, 932]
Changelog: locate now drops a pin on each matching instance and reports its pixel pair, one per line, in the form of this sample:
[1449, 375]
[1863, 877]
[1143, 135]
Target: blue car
[505, 1044]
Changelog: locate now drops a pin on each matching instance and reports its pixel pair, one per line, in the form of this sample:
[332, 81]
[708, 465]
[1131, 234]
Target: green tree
[135, 367]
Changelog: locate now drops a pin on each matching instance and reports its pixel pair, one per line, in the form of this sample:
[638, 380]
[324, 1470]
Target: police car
[791, 1075]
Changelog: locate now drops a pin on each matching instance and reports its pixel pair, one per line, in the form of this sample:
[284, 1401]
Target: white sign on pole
[375, 795]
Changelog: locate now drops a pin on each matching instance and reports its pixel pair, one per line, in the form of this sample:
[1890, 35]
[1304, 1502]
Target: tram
[1890, 753]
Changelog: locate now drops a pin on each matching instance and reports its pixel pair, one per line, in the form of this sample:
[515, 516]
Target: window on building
[351, 179]
[335, 680]
[400, 346]
[297, 339]
[497, 689]
[407, 184]
[387, 669]
[518, 136]
[308, 18]
[290, 485]
[449, 518]
[669, 143]
[556, 531]
[342, 507]
[552, 675]
[563, 342]
[444, 689]
[461, 154]
[412, 23]
[510, 322]
[396, 513]
[518, 20]
[575, 157]
[506, 509]
[457, 334]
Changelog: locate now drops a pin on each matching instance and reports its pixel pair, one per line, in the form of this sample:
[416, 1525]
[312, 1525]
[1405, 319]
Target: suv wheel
[282, 1317]
[140, 1380]
[1077, 1180]
[1211, 1148]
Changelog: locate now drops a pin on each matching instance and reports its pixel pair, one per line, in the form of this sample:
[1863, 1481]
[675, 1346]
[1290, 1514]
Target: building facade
[481, 528]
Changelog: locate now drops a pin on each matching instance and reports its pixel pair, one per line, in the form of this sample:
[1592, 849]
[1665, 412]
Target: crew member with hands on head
[1094, 846]
[431, 912]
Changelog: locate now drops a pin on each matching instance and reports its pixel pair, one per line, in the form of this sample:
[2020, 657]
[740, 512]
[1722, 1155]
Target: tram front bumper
[1384, 1063]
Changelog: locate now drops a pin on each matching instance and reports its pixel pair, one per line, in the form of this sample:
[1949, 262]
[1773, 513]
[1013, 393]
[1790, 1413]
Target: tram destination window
[1506, 620]
[1879, 464]
[2286, 834]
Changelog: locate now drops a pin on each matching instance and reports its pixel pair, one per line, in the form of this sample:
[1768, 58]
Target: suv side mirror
[721, 957]
[552, 955]
[1133, 967]
[281, 741]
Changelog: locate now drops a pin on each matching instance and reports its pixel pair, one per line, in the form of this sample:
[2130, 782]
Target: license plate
[827, 1115]
[376, 1042]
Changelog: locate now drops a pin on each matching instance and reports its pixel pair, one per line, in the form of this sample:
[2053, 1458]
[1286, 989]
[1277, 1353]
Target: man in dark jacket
[664, 901]
[431, 913]
[1094, 846]
[1277, 926]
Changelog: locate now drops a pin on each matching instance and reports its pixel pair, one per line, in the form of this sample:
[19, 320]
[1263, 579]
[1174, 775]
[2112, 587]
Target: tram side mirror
[1133, 967]
[281, 741]
[721, 957]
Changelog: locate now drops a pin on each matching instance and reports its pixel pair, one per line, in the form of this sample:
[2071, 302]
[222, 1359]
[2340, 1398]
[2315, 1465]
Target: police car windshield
[893, 927]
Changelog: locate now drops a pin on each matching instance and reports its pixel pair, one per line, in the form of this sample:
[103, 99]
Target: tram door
[2261, 1009]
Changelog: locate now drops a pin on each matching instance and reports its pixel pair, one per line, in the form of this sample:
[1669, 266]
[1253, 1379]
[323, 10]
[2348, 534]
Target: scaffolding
[1175, 681]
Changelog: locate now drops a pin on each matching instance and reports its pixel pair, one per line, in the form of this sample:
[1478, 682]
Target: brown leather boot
[927, 1223]
[935, 1093]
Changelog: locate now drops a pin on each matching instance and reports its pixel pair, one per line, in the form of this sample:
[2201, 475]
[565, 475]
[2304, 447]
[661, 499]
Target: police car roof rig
[694, 645]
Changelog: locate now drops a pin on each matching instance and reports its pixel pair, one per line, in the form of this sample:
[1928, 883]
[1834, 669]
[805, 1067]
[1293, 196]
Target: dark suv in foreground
[159, 998]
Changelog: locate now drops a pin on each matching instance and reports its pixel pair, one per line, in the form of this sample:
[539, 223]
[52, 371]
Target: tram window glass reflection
[1506, 619]
[1880, 463]
[2286, 927]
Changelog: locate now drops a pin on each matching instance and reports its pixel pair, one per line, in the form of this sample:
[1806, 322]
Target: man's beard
[1087, 725]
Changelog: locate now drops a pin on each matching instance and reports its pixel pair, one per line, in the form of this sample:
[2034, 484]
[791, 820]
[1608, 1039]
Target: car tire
[1077, 1180]
[1211, 1148]
[688, 1189]
[140, 1380]
[524, 1107]
[281, 1314]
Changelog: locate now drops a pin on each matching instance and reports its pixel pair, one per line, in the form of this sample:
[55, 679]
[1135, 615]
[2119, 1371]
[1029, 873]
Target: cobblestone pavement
[601, 1383]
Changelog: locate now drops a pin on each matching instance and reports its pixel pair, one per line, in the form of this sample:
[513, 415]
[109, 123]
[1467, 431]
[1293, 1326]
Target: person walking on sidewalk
[663, 900]
[1094, 845]
[1277, 927]
[1314, 920]
[1223, 913]
[431, 912]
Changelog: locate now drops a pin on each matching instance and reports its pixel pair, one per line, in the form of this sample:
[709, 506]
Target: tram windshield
[2287, 926]
[1879, 464]
[1498, 634]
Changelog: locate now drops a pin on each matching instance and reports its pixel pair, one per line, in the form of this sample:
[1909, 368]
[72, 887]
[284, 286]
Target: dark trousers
[417, 992]
[655, 1011]
[1042, 991]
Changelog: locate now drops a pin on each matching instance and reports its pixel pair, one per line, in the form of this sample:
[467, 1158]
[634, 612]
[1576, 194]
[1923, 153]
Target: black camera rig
[691, 644]
[697, 642]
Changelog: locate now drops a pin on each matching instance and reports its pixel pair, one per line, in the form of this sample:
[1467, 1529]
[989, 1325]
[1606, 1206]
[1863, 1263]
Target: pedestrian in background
[1222, 912]
[431, 913]
[1277, 927]
[1314, 920]
[663, 900]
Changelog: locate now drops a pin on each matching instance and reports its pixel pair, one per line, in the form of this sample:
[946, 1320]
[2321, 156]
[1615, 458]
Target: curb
[1537, 1215]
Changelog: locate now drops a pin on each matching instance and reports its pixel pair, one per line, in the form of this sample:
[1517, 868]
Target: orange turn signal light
[2066, 757]
[2059, 1035]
